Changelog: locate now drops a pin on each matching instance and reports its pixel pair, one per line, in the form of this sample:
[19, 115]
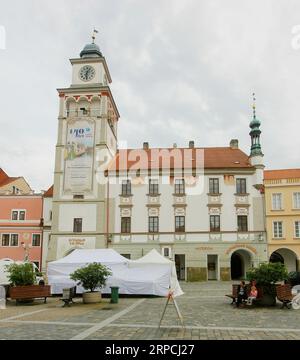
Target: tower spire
[94, 35]
[254, 106]
[255, 131]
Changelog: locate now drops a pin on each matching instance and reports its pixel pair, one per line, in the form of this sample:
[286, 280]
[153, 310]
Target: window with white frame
[277, 229]
[153, 224]
[297, 229]
[167, 252]
[18, 215]
[277, 201]
[126, 187]
[214, 186]
[14, 240]
[36, 239]
[10, 240]
[125, 225]
[153, 187]
[297, 200]
[179, 187]
[179, 223]
[77, 225]
[5, 240]
[241, 186]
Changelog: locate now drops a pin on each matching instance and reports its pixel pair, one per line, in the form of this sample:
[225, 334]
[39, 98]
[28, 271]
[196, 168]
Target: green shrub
[267, 274]
[91, 276]
[21, 274]
[294, 278]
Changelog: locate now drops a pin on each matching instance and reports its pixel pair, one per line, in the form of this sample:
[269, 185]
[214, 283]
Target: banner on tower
[79, 156]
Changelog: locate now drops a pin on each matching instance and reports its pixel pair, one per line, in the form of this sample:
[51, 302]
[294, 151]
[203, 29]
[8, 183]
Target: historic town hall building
[202, 207]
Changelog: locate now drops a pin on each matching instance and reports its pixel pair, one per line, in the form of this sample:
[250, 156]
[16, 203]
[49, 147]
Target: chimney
[234, 144]
[191, 144]
[145, 145]
[174, 145]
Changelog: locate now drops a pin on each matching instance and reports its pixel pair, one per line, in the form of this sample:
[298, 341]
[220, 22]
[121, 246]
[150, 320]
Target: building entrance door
[236, 266]
[180, 266]
[212, 267]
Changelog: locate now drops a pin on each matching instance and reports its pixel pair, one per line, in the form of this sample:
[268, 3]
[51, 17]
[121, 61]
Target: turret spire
[255, 131]
[94, 35]
[254, 106]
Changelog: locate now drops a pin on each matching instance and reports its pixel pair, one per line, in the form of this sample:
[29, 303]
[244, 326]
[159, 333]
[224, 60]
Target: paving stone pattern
[207, 314]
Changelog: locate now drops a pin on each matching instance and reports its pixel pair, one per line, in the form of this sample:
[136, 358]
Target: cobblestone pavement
[207, 314]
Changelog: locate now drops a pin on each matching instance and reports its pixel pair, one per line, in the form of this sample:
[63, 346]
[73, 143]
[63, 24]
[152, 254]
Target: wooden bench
[234, 294]
[29, 292]
[68, 295]
[284, 294]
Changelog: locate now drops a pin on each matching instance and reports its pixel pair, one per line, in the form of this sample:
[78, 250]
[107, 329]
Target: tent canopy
[152, 257]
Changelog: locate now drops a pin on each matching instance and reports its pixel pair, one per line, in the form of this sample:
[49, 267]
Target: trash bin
[114, 294]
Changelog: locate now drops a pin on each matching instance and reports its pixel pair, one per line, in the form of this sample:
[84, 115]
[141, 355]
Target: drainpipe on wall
[265, 222]
[107, 213]
[42, 237]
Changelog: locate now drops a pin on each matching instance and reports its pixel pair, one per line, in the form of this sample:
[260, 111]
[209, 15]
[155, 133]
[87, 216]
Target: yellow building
[282, 197]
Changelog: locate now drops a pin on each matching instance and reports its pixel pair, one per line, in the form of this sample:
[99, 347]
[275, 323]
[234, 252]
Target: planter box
[29, 292]
[91, 297]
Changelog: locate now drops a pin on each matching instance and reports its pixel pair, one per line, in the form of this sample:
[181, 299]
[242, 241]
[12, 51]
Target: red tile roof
[49, 192]
[281, 174]
[179, 158]
[3, 176]
[5, 179]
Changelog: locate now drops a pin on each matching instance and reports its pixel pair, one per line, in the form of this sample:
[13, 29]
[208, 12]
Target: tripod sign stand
[171, 300]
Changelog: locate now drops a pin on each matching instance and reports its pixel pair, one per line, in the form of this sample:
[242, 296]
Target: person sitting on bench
[252, 295]
[241, 293]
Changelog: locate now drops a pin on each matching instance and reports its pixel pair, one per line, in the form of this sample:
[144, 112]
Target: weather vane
[94, 35]
[254, 105]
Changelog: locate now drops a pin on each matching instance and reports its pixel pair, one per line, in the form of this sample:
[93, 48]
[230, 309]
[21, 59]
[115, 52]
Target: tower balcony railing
[82, 112]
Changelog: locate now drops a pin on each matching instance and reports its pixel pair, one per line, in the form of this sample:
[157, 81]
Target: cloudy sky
[182, 70]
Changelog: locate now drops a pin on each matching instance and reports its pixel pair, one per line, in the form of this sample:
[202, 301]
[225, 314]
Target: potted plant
[23, 283]
[266, 276]
[91, 278]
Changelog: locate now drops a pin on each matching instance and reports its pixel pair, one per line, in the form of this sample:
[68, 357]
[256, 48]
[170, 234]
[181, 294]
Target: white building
[202, 207]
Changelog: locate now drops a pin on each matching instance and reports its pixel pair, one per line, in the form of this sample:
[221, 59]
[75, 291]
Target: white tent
[58, 271]
[151, 275]
[154, 261]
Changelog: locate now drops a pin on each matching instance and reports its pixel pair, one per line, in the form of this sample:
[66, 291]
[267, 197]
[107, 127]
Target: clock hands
[87, 73]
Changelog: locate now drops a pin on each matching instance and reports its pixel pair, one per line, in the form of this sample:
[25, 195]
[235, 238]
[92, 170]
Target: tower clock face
[87, 73]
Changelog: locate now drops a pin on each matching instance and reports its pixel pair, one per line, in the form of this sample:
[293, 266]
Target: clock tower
[87, 138]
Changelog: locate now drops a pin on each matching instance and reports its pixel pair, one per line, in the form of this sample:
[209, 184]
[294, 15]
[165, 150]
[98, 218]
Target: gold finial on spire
[94, 35]
[254, 105]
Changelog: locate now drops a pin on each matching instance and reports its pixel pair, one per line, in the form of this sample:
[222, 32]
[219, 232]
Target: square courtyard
[206, 312]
